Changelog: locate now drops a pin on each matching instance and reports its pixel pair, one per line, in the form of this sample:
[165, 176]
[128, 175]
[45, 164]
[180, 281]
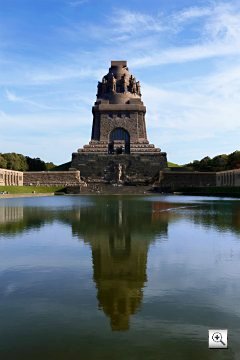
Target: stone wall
[135, 168]
[11, 177]
[228, 178]
[52, 178]
[176, 179]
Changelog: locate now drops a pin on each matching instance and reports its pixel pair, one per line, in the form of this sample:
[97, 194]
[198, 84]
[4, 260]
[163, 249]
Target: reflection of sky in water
[166, 271]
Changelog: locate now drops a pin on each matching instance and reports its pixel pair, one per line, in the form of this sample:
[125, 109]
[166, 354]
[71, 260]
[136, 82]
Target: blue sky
[185, 53]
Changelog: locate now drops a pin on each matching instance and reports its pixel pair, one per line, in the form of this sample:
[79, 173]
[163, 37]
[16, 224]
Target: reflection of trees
[222, 215]
[119, 231]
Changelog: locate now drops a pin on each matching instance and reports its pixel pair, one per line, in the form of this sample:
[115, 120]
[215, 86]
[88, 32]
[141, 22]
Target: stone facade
[138, 169]
[52, 178]
[174, 180]
[119, 136]
[228, 178]
[11, 177]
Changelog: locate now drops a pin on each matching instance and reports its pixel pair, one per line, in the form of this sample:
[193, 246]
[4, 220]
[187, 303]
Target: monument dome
[118, 86]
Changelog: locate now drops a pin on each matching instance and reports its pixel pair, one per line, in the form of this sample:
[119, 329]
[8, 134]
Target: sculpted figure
[138, 88]
[112, 83]
[104, 85]
[134, 86]
[124, 81]
[131, 83]
[119, 172]
[99, 91]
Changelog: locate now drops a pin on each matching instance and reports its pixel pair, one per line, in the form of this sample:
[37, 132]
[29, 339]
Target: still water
[101, 277]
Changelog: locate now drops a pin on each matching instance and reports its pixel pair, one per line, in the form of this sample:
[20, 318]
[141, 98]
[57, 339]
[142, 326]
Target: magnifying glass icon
[217, 337]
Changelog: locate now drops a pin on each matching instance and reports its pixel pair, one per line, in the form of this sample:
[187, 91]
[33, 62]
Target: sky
[185, 53]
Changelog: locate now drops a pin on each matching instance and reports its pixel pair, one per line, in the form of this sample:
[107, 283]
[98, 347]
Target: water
[100, 277]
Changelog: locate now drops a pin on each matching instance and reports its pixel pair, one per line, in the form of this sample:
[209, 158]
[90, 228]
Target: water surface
[101, 277]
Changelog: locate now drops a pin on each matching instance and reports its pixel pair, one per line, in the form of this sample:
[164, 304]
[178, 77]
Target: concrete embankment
[9, 196]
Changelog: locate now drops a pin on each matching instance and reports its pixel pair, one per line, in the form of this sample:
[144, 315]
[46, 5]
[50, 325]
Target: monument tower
[119, 148]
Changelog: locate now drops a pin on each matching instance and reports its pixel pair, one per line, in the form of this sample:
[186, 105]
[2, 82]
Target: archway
[119, 141]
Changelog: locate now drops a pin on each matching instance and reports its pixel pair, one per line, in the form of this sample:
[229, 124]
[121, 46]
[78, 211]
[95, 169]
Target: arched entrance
[119, 141]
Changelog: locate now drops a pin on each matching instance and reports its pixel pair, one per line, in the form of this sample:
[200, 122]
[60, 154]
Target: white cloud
[224, 24]
[198, 117]
[50, 136]
[186, 54]
[76, 3]
[10, 96]
[221, 32]
[61, 73]
[192, 13]
[125, 21]
[199, 105]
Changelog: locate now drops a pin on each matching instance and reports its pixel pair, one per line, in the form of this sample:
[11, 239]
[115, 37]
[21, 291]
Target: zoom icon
[217, 339]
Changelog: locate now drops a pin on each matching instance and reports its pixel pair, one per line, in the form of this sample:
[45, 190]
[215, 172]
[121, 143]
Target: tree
[35, 164]
[3, 162]
[15, 161]
[49, 165]
[234, 160]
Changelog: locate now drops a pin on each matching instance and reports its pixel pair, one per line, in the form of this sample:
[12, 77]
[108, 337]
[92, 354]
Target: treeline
[20, 162]
[218, 163]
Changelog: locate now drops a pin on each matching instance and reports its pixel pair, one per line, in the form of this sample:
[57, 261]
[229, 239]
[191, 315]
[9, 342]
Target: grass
[171, 164]
[62, 167]
[30, 189]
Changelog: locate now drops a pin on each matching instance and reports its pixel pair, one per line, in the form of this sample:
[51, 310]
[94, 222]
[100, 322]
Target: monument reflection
[119, 232]
[119, 239]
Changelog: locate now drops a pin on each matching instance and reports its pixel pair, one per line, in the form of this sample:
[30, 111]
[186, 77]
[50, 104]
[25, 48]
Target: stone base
[101, 147]
[122, 168]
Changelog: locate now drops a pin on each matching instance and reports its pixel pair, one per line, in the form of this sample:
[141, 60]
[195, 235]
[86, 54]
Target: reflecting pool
[118, 277]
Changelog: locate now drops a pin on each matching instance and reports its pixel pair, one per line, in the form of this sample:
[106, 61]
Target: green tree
[35, 164]
[3, 162]
[49, 165]
[16, 161]
[234, 160]
[219, 162]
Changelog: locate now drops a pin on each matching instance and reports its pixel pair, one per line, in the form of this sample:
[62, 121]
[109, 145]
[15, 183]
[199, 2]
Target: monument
[119, 150]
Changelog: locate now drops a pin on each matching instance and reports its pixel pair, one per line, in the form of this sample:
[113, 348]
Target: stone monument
[119, 137]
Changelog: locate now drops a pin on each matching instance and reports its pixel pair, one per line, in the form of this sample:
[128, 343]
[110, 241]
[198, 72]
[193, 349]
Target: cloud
[221, 32]
[142, 40]
[197, 104]
[224, 22]
[178, 55]
[192, 13]
[125, 21]
[10, 96]
[201, 114]
[50, 135]
[145, 39]
[76, 3]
